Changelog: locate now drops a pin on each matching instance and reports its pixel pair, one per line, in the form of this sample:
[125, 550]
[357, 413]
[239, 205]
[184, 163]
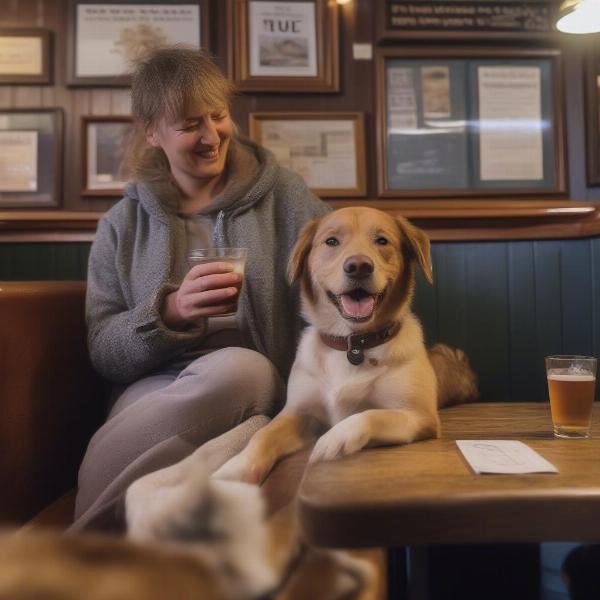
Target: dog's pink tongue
[358, 308]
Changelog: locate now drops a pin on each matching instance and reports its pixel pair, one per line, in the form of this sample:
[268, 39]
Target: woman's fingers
[209, 269]
[191, 303]
[213, 282]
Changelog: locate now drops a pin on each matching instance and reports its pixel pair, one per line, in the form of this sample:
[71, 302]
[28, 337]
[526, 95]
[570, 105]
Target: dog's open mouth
[357, 304]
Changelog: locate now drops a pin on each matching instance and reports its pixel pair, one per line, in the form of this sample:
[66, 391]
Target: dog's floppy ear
[301, 250]
[419, 245]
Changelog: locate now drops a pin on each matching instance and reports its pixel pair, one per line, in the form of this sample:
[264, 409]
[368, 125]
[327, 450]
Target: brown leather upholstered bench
[51, 402]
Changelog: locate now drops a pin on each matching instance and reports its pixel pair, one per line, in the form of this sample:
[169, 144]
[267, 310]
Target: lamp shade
[579, 16]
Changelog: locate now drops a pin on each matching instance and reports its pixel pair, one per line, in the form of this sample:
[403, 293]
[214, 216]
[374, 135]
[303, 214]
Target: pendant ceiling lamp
[579, 16]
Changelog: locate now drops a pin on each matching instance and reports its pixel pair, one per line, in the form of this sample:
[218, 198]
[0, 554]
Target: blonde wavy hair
[165, 84]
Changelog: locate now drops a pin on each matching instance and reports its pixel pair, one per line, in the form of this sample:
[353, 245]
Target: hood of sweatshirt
[252, 172]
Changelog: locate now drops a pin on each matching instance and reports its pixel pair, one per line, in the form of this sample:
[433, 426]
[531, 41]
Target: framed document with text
[25, 56]
[326, 149]
[592, 125]
[106, 39]
[286, 46]
[104, 141]
[30, 157]
[464, 19]
[469, 122]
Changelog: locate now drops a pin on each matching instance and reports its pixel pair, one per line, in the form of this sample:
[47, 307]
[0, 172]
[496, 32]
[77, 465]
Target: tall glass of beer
[571, 387]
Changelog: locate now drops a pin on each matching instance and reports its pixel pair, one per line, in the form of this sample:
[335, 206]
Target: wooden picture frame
[592, 123]
[25, 56]
[104, 140]
[105, 38]
[470, 122]
[31, 146]
[397, 20]
[289, 51]
[330, 148]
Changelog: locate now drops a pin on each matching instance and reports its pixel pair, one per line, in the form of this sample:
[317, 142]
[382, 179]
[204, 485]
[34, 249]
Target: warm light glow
[579, 16]
[344, 1]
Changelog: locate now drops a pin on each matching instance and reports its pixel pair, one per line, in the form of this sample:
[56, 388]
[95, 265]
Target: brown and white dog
[362, 375]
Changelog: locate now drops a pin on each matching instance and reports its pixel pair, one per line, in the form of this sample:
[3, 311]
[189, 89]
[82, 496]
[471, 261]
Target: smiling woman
[192, 350]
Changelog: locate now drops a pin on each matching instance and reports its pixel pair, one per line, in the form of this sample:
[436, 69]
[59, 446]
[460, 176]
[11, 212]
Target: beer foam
[554, 376]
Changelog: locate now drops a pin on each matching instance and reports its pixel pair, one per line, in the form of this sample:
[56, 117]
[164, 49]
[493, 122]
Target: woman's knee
[243, 373]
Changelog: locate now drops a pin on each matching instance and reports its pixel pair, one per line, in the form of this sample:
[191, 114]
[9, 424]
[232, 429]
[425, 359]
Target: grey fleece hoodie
[139, 243]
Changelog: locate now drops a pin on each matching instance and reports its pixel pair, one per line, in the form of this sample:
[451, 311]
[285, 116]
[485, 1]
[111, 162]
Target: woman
[186, 374]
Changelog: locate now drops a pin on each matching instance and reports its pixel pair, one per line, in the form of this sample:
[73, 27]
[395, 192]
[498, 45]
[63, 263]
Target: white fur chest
[339, 387]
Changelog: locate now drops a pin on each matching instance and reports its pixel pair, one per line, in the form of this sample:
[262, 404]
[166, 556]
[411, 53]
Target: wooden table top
[426, 493]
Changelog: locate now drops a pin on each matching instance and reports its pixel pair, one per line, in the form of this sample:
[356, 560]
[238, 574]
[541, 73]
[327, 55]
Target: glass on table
[571, 387]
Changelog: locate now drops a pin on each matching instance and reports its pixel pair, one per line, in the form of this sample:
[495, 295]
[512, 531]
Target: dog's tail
[457, 382]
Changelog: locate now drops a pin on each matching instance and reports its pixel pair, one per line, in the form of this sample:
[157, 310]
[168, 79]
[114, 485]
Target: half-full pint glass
[571, 387]
[235, 256]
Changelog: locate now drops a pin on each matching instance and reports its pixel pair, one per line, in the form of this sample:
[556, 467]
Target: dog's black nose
[358, 267]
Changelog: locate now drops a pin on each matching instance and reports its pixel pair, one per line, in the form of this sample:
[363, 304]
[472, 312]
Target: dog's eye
[381, 241]
[332, 241]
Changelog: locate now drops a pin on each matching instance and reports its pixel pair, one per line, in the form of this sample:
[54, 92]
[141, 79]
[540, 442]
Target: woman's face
[196, 146]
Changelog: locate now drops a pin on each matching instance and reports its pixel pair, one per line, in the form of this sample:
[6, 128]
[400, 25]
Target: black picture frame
[441, 146]
[592, 125]
[35, 138]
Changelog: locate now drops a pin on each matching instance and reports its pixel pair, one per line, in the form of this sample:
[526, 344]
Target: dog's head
[356, 267]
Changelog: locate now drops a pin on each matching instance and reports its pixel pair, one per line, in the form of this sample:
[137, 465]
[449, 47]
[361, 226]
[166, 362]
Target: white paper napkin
[503, 456]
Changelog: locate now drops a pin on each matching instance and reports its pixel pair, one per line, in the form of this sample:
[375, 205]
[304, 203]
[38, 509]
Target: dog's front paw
[347, 437]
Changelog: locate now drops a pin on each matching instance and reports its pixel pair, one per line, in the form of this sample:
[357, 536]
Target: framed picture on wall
[25, 56]
[592, 126]
[465, 19]
[464, 122]
[286, 46]
[106, 39]
[326, 149]
[104, 140]
[30, 157]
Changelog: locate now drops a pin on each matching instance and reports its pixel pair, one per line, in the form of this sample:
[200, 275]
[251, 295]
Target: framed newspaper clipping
[326, 149]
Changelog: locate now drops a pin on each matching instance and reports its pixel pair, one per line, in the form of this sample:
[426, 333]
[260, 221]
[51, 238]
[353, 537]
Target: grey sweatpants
[224, 396]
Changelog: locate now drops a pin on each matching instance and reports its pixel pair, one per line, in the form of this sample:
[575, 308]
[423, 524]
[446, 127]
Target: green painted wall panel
[507, 304]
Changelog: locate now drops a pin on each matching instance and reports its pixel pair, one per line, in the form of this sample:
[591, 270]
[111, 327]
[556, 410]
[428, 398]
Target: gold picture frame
[325, 148]
[25, 56]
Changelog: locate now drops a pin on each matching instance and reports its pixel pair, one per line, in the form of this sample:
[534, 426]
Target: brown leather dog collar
[355, 343]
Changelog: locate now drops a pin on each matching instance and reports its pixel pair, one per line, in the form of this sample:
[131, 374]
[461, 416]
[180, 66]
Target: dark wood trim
[47, 226]
[465, 220]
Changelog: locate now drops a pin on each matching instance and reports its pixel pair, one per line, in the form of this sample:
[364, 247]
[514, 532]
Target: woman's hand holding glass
[208, 289]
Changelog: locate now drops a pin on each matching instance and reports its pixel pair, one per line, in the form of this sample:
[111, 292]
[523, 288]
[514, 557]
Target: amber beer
[571, 389]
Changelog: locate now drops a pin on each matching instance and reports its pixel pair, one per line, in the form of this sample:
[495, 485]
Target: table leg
[408, 573]
[397, 574]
